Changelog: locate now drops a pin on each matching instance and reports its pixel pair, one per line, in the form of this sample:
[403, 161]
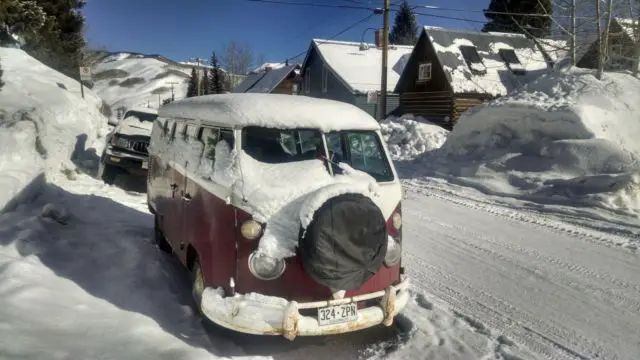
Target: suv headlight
[121, 142]
[394, 252]
[265, 267]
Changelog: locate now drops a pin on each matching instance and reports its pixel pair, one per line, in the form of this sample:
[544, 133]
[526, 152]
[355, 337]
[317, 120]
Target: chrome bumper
[265, 315]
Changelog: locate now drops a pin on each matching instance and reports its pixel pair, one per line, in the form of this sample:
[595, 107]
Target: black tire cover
[345, 243]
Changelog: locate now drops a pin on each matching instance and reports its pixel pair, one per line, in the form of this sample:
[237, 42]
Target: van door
[172, 223]
[210, 220]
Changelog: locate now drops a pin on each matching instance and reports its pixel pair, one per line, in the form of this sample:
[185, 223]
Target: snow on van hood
[286, 196]
[133, 126]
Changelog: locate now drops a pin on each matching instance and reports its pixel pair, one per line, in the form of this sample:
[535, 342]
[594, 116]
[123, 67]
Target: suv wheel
[107, 173]
[159, 238]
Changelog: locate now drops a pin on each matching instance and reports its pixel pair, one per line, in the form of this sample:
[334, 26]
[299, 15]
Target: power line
[338, 34]
[431, 7]
[282, 2]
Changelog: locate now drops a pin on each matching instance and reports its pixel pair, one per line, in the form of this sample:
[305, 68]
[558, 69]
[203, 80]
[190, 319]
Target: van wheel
[159, 238]
[197, 287]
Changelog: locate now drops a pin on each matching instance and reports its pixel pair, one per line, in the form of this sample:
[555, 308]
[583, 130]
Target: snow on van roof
[271, 110]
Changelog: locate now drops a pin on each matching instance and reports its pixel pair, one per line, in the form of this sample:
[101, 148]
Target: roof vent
[364, 47]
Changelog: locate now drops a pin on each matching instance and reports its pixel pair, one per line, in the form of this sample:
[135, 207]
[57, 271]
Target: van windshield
[362, 150]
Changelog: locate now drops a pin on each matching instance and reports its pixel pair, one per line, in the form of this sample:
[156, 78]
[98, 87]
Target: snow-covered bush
[566, 137]
[408, 137]
[41, 124]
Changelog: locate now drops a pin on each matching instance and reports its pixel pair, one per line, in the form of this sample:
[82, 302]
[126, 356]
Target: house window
[325, 75]
[307, 80]
[473, 59]
[424, 72]
[511, 59]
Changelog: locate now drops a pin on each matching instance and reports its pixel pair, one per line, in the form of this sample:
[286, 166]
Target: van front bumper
[266, 315]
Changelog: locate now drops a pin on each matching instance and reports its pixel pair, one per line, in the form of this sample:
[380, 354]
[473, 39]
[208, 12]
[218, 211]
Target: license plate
[337, 314]
[145, 164]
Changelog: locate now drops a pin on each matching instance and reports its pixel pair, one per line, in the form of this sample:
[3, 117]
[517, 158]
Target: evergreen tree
[217, 77]
[205, 82]
[59, 42]
[1, 72]
[192, 89]
[405, 28]
[501, 19]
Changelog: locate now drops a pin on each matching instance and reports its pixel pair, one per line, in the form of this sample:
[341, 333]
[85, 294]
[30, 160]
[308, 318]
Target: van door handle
[186, 197]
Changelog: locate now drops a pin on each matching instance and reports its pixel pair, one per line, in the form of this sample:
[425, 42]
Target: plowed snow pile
[565, 138]
[408, 137]
[43, 119]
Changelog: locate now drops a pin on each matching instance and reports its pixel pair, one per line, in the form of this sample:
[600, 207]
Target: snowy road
[554, 290]
[489, 282]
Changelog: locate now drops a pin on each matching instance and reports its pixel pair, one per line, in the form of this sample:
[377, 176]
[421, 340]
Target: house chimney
[379, 38]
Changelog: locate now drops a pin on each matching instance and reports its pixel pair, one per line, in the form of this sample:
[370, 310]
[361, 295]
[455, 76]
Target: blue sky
[190, 28]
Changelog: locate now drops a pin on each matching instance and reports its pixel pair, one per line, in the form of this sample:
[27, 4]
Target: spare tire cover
[345, 243]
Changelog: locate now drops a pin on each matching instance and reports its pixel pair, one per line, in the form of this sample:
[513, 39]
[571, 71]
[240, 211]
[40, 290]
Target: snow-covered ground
[132, 80]
[408, 137]
[494, 276]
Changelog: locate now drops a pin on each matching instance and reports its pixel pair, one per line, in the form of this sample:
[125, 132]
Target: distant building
[283, 79]
[351, 71]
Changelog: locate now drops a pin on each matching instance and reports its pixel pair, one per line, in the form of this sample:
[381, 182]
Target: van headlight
[394, 252]
[265, 267]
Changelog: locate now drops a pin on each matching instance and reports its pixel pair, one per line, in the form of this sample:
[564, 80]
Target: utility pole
[198, 67]
[385, 51]
[171, 83]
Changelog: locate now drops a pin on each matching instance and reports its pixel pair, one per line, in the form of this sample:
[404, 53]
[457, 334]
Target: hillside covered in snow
[44, 122]
[131, 79]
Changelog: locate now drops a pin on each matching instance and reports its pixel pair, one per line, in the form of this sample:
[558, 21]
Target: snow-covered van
[286, 210]
[127, 145]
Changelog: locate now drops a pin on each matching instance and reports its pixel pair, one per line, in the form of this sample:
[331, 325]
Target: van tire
[159, 238]
[197, 286]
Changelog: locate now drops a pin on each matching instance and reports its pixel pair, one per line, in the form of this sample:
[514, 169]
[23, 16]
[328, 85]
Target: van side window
[227, 135]
[173, 131]
[191, 132]
[183, 133]
[209, 137]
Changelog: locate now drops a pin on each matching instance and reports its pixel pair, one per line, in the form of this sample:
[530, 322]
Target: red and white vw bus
[286, 210]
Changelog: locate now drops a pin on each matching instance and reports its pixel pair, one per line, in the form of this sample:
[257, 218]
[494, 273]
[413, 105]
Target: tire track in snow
[604, 235]
[552, 337]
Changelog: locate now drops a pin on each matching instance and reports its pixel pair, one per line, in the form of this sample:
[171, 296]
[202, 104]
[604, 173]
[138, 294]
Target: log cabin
[451, 71]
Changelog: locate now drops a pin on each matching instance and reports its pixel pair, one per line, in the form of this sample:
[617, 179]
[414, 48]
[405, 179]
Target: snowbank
[566, 137]
[43, 120]
[408, 137]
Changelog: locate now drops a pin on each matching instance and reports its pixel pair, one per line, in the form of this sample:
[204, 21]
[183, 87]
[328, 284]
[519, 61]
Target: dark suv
[126, 148]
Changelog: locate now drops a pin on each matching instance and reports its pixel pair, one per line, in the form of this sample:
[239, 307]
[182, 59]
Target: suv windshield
[141, 116]
[362, 150]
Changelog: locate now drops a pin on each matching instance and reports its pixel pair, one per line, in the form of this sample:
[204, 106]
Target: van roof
[271, 110]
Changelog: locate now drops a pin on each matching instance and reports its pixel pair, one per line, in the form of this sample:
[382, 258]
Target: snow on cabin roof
[264, 81]
[556, 49]
[271, 110]
[359, 69]
[492, 76]
[264, 66]
[628, 25]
